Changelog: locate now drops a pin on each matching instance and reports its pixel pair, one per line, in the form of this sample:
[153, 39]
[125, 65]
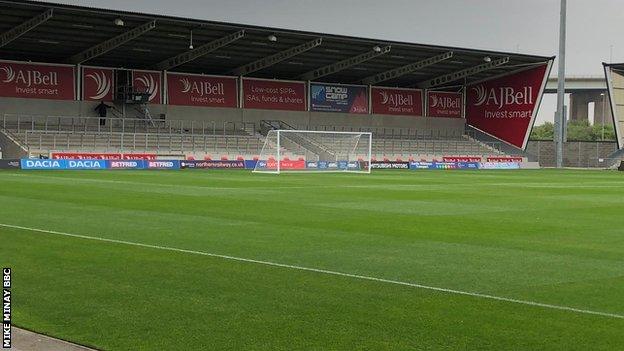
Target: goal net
[315, 151]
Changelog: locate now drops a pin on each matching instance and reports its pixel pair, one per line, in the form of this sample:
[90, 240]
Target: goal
[315, 151]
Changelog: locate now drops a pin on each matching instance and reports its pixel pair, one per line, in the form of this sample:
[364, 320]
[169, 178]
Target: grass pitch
[549, 237]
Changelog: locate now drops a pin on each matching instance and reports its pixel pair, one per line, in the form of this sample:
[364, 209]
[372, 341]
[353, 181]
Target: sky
[594, 27]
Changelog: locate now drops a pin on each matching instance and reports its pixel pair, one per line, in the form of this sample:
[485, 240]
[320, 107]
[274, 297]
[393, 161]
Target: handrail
[91, 141]
[48, 122]
[67, 132]
[107, 124]
[201, 134]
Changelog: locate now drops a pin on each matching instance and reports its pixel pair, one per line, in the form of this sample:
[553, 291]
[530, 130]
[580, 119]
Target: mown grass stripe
[323, 271]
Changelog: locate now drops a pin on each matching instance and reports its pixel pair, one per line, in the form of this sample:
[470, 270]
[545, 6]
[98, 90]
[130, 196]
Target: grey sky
[528, 26]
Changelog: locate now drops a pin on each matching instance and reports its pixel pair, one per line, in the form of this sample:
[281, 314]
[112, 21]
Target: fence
[392, 132]
[22, 123]
[133, 142]
[585, 154]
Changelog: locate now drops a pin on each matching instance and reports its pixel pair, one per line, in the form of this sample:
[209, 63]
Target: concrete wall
[9, 148]
[575, 153]
[219, 115]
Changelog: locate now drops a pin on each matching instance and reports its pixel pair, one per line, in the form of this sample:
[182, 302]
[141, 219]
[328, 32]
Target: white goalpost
[315, 151]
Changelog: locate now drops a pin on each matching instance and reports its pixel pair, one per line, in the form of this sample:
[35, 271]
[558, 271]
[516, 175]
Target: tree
[576, 131]
[609, 132]
[544, 132]
[580, 131]
[583, 131]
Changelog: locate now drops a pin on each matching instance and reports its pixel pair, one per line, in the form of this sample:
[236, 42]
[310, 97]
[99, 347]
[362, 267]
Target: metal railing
[392, 132]
[167, 143]
[134, 142]
[20, 123]
[432, 147]
[130, 134]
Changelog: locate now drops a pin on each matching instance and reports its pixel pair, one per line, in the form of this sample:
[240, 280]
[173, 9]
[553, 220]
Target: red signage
[37, 81]
[390, 101]
[197, 90]
[292, 164]
[84, 156]
[505, 159]
[461, 158]
[505, 107]
[138, 156]
[100, 156]
[98, 84]
[286, 164]
[444, 104]
[148, 82]
[274, 95]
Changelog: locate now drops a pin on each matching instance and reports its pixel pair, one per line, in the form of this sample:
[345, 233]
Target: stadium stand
[219, 98]
[42, 135]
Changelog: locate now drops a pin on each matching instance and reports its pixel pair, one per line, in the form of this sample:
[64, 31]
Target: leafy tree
[583, 131]
[609, 132]
[545, 131]
[579, 131]
[576, 131]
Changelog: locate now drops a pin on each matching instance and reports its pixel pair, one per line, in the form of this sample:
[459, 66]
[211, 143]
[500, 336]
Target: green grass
[554, 237]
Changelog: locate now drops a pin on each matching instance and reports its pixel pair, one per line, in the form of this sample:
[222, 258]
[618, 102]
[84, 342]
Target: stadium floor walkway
[25, 340]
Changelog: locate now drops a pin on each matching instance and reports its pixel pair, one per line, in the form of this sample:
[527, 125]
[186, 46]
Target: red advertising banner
[84, 156]
[98, 84]
[391, 101]
[148, 82]
[100, 156]
[286, 164]
[274, 95]
[505, 107]
[461, 158]
[138, 156]
[197, 90]
[444, 104]
[37, 81]
[505, 159]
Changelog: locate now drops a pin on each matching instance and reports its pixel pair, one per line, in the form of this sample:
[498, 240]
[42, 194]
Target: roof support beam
[344, 64]
[196, 53]
[403, 70]
[276, 58]
[25, 27]
[112, 43]
[451, 77]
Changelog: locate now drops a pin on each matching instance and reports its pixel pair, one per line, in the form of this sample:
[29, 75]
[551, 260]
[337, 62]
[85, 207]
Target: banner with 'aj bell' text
[506, 107]
[199, 90]
[37, 81]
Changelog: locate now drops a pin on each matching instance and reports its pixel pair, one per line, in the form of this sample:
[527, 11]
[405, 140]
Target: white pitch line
[324, 271]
